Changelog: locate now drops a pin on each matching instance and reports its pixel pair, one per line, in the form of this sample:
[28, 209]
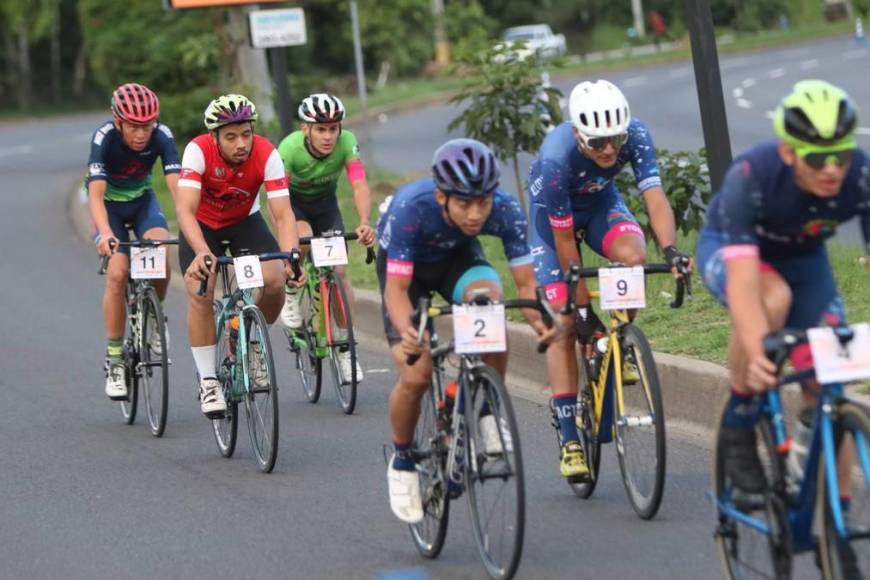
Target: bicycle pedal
[575, 479]
[121, 398]
[215, 415]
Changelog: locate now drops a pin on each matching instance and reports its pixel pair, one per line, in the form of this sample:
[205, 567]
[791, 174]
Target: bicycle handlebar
[370, 251]
[424, 311]
[684, 284]
[294, 257]
[113, 244]
[777, 346]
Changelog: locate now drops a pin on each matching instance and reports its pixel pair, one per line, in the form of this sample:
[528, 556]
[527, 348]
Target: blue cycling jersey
[413, 228]
[128, 172]
[565, 181]
[759, 204]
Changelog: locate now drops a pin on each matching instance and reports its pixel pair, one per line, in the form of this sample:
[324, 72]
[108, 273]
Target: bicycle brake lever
[203, 284]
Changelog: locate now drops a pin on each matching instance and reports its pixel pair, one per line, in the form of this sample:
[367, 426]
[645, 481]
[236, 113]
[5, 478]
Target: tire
[587, 429]
[308, 365]
[640, 434]
[155, 365]
[431, 455]
[744, 551]
[261, 398]
[495, 485]
[340, 321]
[131, 358]
[854, 421]
[226, 429]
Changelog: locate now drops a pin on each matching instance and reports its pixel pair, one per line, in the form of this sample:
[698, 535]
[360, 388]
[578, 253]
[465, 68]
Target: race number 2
[148, 263]
[329, 251]
[249, 273]
[479, 329]
[622, 288]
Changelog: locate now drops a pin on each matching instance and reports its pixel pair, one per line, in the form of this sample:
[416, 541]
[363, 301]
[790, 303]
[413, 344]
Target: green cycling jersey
[312, 177]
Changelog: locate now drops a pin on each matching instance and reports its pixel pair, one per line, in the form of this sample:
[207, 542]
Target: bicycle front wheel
[225, 429]
[494, 473]
[745, 550]
[303, 344]
[261, 398]
[849, 557]
[430, 454]
[640, 431]
[587, 429]
[343, 345]
[154, 363]
[130, 405]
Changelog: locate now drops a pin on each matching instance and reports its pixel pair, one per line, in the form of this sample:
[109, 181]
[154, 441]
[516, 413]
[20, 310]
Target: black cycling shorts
[250, 236]
[441, 277]
[321, 213]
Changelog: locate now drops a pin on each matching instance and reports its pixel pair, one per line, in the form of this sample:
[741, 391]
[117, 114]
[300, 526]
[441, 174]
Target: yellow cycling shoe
[573, 462]
[630, 374]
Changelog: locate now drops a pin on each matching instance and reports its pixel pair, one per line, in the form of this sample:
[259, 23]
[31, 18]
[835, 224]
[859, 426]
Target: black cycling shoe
[742, 465]
[589, 327]
[849, 561]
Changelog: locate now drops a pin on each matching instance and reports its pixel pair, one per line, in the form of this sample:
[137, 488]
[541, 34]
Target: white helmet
[598, 109]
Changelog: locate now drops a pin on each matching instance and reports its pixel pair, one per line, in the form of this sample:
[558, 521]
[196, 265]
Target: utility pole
[637, 12]
[252, 65]
[360, 75]
[708, 80]
[442, 47]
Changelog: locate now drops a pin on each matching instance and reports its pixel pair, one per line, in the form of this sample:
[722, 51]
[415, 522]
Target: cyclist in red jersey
[218, 200]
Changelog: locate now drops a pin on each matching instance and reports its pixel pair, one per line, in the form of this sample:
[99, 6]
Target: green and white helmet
[229, 109]
[817, 117]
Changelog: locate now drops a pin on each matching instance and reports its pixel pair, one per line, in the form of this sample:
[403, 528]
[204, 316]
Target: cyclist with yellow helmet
[762, 252]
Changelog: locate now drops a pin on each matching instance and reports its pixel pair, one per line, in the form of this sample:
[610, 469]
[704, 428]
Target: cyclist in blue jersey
[123, 152]
[428, 239]
[573, 197]
[762, 251]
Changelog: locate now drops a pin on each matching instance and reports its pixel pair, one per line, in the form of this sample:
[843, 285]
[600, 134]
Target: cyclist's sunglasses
[601, 143]
[820, 160]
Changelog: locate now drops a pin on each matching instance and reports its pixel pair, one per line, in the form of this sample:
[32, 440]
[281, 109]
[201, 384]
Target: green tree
[507, 101]
[25, 22]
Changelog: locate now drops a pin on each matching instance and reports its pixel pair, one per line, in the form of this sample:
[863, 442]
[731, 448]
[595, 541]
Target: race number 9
[622, 288]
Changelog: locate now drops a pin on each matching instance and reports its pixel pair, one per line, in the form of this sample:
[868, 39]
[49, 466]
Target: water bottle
[799, 447]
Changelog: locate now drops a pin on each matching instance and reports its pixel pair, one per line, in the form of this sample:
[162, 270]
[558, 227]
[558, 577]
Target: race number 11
[622, 288]
[249, 273]
[148, 263]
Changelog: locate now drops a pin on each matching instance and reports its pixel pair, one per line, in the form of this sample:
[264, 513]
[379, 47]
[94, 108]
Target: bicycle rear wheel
[842, 559]
[261, 399]
[303, 342]
[640, 433]
[587, 429]
[745, 551]
[154, 363]
[430, 454]
[494, 481]
[225, 429]
[343, 344]
[130, 405]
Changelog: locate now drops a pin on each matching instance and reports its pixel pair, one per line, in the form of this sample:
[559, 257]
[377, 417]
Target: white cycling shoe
[116, 382]
[489, 434]
[211, 398]
[405, 498]
[344, 367]
[291, 313]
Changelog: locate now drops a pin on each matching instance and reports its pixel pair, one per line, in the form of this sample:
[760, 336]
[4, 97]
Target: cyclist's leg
[253, 234]
[291, 315]
[114, 301]
[150, 224]
[613, 232]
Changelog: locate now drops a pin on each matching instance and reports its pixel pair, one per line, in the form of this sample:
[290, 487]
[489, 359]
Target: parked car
[539, 39]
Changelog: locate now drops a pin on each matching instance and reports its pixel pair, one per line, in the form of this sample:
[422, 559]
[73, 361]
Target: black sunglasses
[820, 160]
[601, 143]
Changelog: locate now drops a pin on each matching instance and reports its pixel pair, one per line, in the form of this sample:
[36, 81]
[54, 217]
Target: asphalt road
[87, 497]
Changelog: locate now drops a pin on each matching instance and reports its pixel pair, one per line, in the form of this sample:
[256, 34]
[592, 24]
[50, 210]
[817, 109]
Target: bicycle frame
[241, 384]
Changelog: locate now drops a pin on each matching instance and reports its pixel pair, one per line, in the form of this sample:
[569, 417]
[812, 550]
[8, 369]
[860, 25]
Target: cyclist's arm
[172, 184]
[661, 216]
[97, 207]
[187, 198]
[278, 193]
[399, 307]
[169, 158]
[524, 277]
[362, 197]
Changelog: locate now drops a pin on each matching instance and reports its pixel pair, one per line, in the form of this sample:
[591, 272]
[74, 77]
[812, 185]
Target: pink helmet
[135, 103]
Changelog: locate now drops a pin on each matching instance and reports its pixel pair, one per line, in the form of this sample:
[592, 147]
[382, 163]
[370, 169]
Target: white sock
[203, 356]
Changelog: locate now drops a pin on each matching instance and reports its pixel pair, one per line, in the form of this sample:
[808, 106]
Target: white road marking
[776, 73]
[808, 64]
[857, 53]
[749, 82]
[16, 150]
[863, 130]
[744, 104]
[769, 114]
[634, 81]
[737, 92]
[377, 371]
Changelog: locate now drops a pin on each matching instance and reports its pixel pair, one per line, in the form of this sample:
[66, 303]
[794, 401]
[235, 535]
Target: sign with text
[479, 329]
[622, 288]
[249, 273]
[275, 28]
[836, 363]
[329, 251]
[148, 263]
[212, 3]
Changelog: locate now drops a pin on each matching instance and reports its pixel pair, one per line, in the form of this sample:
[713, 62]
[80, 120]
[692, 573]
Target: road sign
[211, 3]
[274, 28]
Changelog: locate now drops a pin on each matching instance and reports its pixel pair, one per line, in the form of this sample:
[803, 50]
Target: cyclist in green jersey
[314, 158]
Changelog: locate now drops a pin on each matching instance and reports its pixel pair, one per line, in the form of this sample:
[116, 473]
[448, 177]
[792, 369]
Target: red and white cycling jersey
[231, 193]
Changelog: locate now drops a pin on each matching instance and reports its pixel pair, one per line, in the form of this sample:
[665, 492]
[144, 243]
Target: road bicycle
[608, 409]
[452, 455]
[758, 534]
[327, 322]
[244, 363]
[146, 348]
